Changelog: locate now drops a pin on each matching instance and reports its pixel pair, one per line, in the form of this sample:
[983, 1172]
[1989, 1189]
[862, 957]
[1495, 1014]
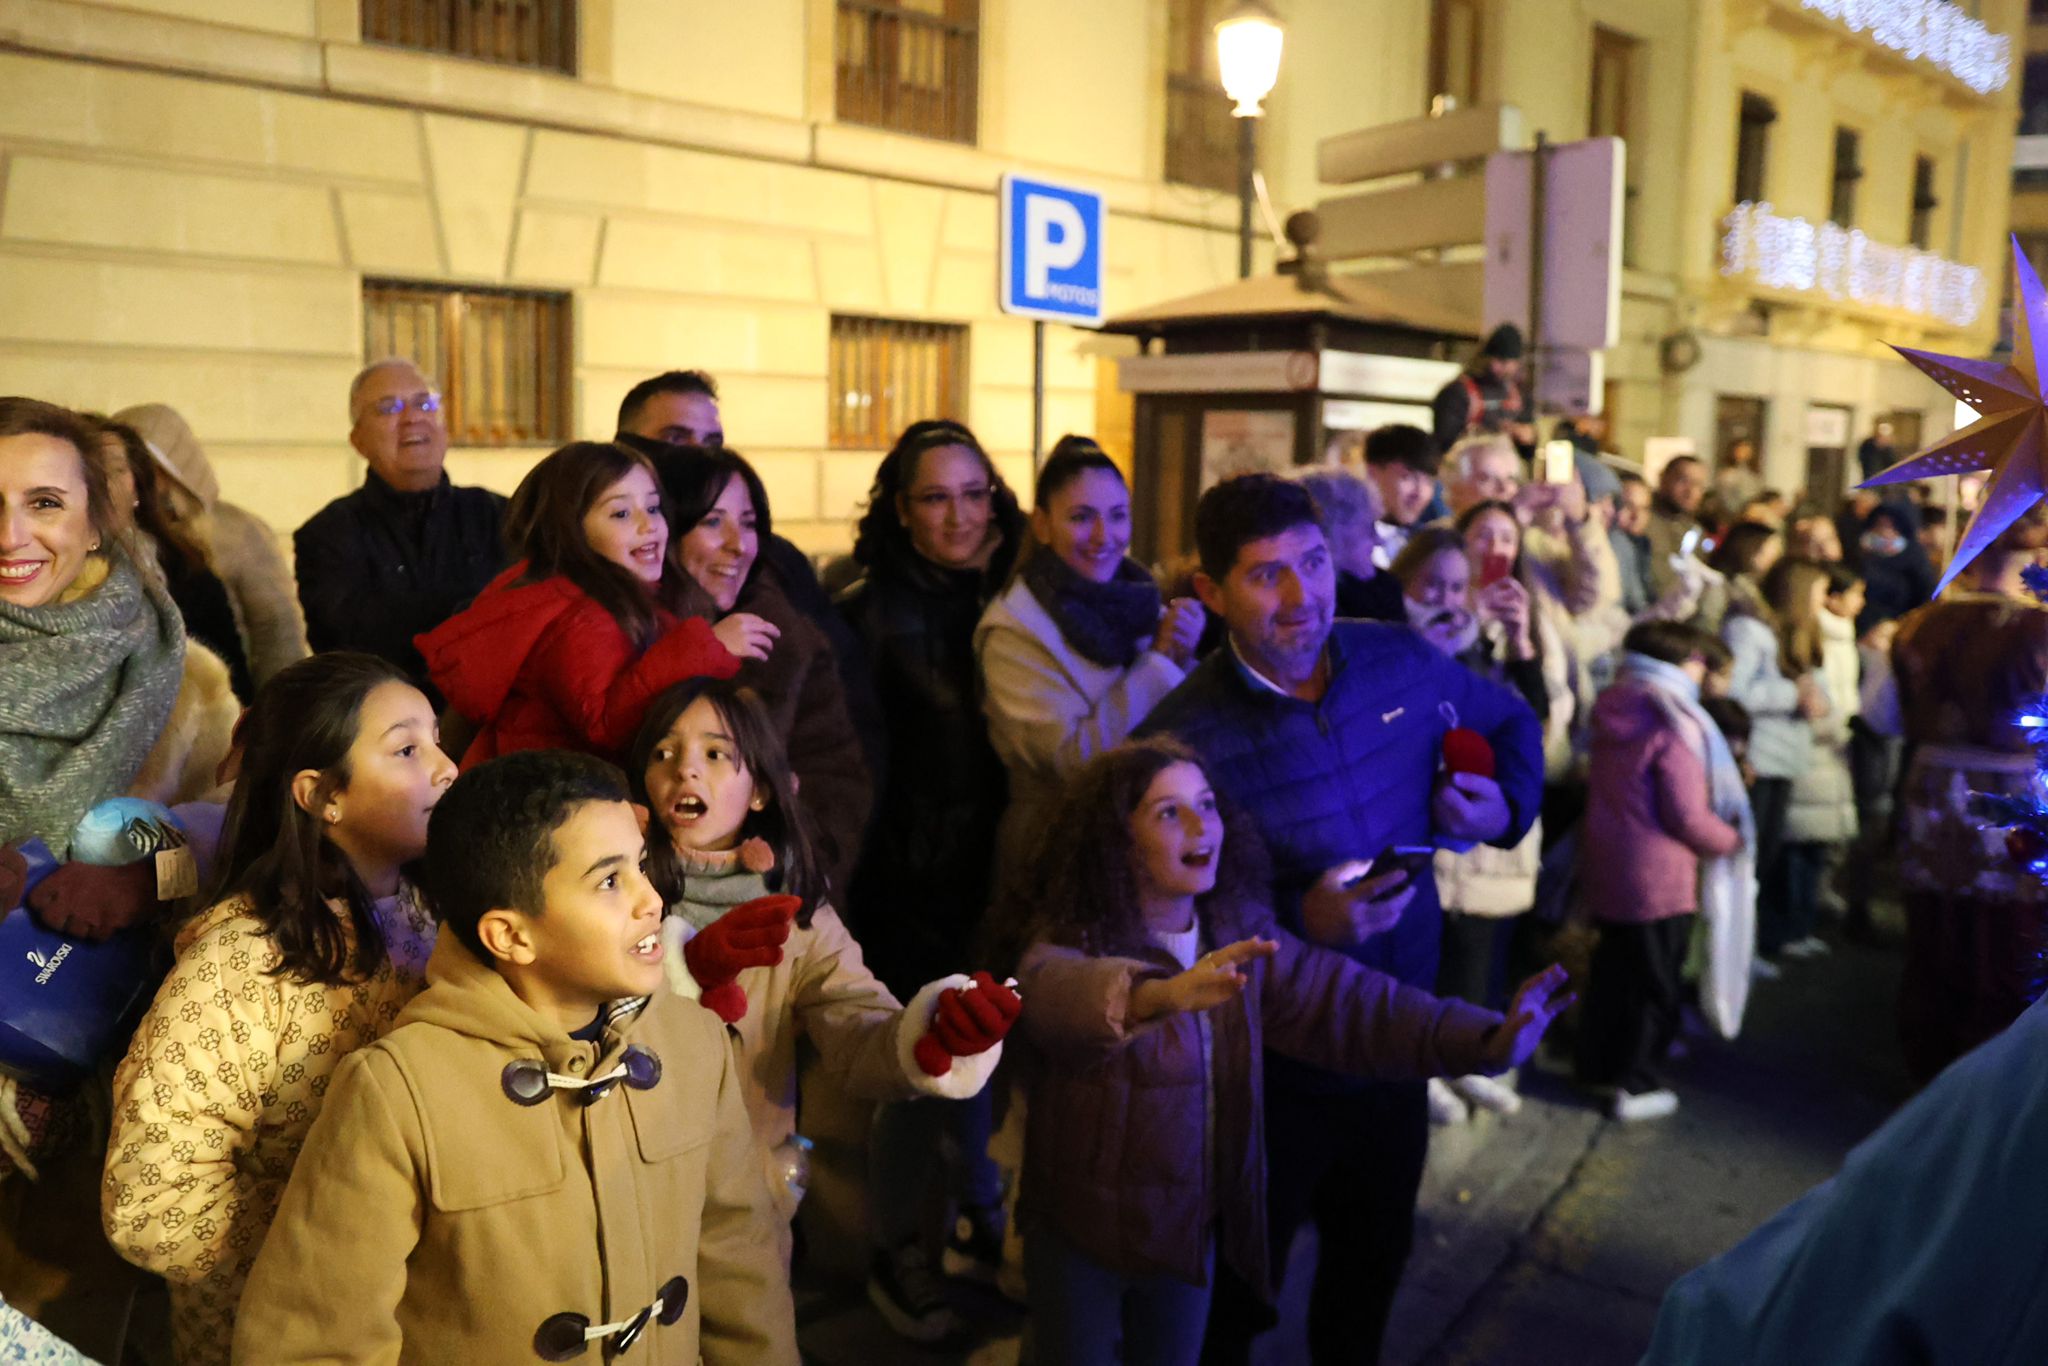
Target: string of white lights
[1934, 30]
[1841, 263]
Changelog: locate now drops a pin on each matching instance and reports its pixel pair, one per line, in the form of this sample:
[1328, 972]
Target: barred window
[887, 375]
[910, 65]
[501, 357]
[1201, 136]
[540, 34]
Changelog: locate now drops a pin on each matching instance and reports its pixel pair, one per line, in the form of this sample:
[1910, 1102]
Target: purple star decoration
[2010, 435]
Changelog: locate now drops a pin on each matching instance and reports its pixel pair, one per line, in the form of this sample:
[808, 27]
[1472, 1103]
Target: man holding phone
[1329, 735]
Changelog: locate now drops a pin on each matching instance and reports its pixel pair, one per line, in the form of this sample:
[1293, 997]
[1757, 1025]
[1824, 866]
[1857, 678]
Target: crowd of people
[520, 859]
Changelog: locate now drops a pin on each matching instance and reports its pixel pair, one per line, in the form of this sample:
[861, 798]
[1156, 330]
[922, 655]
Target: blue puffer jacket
[1344, 778]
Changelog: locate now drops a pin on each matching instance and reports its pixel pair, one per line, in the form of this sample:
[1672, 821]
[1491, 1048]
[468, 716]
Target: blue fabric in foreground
[1929, 1247]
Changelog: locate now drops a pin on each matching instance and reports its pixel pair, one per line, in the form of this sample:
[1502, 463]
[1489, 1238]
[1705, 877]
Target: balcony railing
[908, 70]
[539, 34]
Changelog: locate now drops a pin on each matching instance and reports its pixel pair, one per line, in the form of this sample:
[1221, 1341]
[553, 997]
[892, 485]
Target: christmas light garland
[1930, 30]
[1842, 263]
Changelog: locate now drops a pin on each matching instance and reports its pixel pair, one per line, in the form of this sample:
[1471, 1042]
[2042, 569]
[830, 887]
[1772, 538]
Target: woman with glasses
[937, 541]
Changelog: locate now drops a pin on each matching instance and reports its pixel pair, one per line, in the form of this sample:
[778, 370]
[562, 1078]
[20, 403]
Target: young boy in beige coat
[549, 1156]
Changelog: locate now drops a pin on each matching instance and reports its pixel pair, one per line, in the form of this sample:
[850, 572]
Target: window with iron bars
[910, 65]
[888, 374]
[1201, 137]
[538, 34]
[500, 357]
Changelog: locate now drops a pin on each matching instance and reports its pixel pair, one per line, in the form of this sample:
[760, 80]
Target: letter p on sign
[1052, 258]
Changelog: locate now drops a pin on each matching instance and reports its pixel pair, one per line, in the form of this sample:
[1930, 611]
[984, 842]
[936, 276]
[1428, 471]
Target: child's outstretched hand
[1213, 981]
[967, 1021]
[1513, 1041]
[750, 935]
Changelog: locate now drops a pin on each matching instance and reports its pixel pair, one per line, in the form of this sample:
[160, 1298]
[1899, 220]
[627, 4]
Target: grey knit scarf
[85, 689]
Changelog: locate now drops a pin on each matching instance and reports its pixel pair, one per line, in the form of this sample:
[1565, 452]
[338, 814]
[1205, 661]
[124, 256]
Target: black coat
[921, 892]
[378, 567]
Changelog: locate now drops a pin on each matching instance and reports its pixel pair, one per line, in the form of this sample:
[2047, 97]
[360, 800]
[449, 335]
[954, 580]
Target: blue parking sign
[1052, 252]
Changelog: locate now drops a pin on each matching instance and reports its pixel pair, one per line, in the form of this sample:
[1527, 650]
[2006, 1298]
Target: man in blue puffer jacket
[1329, 735]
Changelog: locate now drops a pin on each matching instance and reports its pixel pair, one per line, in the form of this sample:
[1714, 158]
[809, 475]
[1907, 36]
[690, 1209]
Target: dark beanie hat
[1503, 343]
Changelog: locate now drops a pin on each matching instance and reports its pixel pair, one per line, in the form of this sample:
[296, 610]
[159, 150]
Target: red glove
[966, 1021]
[1467, 751]
[750, 935]
[90, 902]
[13, 877]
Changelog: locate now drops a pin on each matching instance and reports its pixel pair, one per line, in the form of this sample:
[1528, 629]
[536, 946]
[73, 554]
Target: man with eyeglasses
[399, 555]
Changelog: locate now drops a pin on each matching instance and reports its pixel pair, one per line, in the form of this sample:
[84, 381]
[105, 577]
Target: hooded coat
[240, 547]
[545, 666]
[1650, 812]
[433, 1219]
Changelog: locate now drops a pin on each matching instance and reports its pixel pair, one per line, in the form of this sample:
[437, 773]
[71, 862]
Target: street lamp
[1248, 43]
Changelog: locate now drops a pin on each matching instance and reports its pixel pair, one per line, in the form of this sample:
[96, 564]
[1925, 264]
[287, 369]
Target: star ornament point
[2010, 435]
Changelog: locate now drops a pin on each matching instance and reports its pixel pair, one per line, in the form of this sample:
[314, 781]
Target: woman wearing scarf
[1080, 648]
[1670, 825]
[940, 532]
[96, 704]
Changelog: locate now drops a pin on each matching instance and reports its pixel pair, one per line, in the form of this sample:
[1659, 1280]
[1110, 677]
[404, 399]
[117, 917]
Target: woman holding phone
[1490, 630]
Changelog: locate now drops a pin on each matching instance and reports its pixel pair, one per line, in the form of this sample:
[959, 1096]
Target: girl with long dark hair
[1157, 975]
[314, 942]
[753, 935]
[937, 541]
[565, 649]
[719, 516]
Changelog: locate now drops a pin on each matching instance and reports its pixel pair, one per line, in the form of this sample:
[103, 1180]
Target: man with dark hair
[1402, 463]
[1674, 512]
[1331, 735]
[548, 1090]
[679, 407]
[397, 557]
[1487, 396]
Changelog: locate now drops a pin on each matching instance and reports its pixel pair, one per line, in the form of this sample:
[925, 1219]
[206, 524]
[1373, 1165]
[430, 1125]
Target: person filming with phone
[1332, 735]
[1462, 596]
[1567, 563]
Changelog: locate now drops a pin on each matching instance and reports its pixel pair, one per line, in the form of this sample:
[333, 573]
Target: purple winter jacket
[1648, 817]
[1114, 1141]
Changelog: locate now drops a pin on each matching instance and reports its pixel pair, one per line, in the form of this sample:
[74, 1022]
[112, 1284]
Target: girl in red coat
[565, 649]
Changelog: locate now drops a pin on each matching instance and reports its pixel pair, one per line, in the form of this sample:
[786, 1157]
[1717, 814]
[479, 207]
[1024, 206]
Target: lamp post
[1248, 43]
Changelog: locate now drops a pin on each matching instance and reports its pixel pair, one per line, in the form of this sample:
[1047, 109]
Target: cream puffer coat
[1823, 809]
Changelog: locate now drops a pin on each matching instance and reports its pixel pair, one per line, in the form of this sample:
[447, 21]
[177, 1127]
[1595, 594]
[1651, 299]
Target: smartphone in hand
[1411, 860]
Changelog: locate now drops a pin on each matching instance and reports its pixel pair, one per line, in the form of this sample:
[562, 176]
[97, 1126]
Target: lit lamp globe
[1248, 43]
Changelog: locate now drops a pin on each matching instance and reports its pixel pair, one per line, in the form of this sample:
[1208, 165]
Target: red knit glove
[1467, 751]
[966, 1021]
[90, 902]
[13, 877]
[750, 935]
